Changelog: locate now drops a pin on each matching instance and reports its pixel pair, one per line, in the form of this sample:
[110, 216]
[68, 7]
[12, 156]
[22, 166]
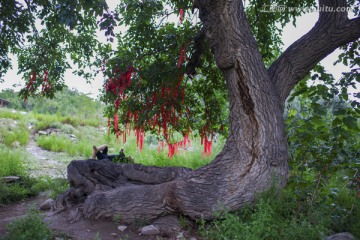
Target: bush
[54, 186]
[11, 162]
[28, 227]
[285, 216]
[61, 143]
[13, 192]
[17, 134]
[5, 113]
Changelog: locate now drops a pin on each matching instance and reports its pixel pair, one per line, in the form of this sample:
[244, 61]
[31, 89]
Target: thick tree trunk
[253, 159]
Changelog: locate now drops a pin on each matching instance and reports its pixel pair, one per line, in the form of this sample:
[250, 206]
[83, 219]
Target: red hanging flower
[181, 18]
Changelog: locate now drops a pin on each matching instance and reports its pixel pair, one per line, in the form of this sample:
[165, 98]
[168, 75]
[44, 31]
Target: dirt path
[47, 163]
[80, 230]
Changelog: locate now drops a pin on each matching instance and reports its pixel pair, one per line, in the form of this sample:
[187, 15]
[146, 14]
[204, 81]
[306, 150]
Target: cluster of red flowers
[206, 142]
[32, 86]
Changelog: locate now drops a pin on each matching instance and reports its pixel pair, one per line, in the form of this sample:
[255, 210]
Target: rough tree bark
[255, 154]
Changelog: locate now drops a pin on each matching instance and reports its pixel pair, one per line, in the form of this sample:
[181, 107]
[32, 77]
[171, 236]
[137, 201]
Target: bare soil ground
[80, 230]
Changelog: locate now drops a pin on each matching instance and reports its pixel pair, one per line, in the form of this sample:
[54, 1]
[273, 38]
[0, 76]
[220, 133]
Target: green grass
[44, 121]
[89, 136]
[150, 155]
[54, 187]
[283, 216]
[27, 187]
[14, 192]
[11, 161]
[6, 113]
[10, 135]
[61, 143]
[29, 227]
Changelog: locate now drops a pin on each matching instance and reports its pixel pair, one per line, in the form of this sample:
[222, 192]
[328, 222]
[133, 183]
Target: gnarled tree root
[103, 189]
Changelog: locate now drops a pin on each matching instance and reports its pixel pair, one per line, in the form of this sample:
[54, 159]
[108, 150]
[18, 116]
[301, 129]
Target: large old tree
[242, 42]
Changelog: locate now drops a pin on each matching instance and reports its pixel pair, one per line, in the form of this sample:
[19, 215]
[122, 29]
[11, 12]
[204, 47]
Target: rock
[341, 236]
[114, 234]
[169, 225]
[10, 179]
[150, 230]
[15, 144]
[47, 204]
[180, 236]
[72, 137]
[122, 228]
[41, 133]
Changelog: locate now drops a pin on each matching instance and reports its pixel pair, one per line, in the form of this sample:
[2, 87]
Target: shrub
[17, 134]
[284, 216]
[28, 227]
[5, 113]
[11, 162]
[54, 186]
[13, 192]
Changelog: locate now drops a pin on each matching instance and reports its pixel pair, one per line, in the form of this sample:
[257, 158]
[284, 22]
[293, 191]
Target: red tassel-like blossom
[181, 18]
[116, 123]
[182, 57]
[173, 149]
[139, 138]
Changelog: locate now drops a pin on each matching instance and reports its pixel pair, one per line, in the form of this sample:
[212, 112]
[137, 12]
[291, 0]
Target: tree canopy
[161, 76]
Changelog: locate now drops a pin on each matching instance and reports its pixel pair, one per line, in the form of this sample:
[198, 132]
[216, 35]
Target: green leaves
[322, 124]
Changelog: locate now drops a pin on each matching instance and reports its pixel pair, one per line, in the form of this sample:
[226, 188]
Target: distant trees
[67, 102]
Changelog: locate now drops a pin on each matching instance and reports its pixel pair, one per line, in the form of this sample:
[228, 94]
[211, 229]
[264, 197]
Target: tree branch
[332, 30]
[194, 61]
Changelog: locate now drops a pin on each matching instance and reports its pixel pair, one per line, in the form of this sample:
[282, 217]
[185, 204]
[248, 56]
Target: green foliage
[117, 219]
[13, 192]
[11, 162]
[14, 133]
[26, 187]
[150, 155]
[5, 113]
[66, 103]
[283, 216]
[29, 227]
[87, 136]
[54, 187]
[54, 121]
[61, 143]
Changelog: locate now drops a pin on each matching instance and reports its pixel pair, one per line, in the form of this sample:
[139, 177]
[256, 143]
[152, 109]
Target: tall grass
[61, 143]
[283, 216]
[17, 133]
[191, 157]
[30, 226]
[11, 162]
[45, 121]
[89, 136]
[6, 113]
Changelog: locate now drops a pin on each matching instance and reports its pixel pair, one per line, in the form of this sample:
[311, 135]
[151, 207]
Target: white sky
[290, 34]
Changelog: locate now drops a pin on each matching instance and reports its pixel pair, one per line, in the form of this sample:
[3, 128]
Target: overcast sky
[291, 34]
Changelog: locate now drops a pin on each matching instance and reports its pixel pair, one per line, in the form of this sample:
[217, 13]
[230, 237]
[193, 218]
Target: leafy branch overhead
[175, 85]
